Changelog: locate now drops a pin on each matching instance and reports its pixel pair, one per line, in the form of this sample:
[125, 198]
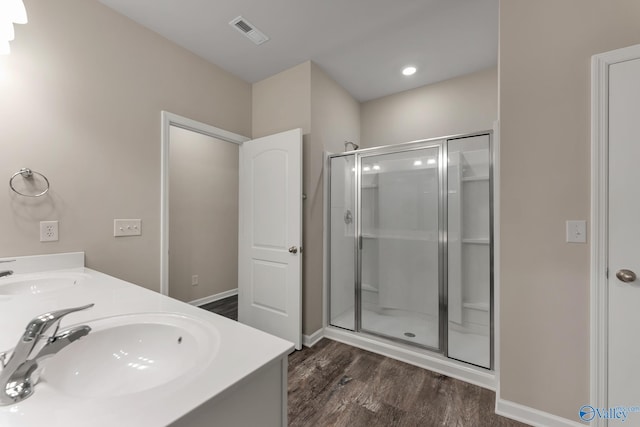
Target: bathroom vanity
[149, 360]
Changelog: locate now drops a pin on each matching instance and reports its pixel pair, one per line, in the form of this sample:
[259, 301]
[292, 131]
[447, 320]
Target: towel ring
[28, 174]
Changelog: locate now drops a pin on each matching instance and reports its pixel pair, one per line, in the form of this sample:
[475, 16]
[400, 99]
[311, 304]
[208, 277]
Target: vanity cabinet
[252, 402]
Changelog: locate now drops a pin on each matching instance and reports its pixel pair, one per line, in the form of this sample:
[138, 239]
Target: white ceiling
[362, 44]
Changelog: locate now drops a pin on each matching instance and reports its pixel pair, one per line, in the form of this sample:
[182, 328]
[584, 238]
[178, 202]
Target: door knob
[626, 276]
[293, 250]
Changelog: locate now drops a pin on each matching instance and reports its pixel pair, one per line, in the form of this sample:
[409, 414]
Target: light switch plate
[127, 227]
[576, 231]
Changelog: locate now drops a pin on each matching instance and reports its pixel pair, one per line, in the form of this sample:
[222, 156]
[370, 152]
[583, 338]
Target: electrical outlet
[194, 280]
[48, 231]
[127, 227]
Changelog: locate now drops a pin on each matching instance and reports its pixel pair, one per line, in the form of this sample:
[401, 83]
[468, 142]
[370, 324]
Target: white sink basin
[37, 283]
[128, 354]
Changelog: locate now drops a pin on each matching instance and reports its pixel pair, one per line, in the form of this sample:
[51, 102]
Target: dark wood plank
[227, 307]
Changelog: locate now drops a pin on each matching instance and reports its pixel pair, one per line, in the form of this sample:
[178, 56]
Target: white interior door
[624, 236]
[270, 259]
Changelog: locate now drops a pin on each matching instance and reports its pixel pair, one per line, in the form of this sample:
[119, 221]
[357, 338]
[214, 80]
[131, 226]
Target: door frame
[169, 119]
[599, 310]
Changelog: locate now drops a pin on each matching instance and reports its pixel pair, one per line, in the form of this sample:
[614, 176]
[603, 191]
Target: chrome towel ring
[27, 173]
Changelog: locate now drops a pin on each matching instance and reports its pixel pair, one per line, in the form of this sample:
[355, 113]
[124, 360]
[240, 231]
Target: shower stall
[410, 245]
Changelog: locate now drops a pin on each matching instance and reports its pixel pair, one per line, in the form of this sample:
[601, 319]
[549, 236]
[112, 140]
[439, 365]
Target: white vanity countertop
[242, 351]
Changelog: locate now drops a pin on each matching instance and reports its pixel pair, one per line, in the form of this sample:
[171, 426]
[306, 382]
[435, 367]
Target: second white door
[624, 236]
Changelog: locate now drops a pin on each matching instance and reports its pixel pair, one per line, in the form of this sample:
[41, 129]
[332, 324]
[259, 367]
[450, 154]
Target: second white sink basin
[128, 354]
[24, 284]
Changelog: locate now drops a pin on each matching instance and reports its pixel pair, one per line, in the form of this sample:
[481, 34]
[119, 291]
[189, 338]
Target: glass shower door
[400, 282]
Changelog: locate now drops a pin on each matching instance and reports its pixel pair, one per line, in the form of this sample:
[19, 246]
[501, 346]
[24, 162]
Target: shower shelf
[369, 288]
[475, 178]
[476, 241]
[399, 237]
[480, 306]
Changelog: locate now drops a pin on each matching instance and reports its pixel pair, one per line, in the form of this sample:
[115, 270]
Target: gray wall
[203, 215]
[460, 105]
[81, 102]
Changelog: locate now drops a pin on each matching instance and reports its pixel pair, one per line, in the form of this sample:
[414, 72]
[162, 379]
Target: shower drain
[409, 334]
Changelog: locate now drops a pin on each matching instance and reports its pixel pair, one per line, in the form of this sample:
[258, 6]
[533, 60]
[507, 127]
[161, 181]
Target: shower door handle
[293, 250]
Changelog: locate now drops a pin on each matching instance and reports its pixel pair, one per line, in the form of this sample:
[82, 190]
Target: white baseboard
[433, 362]
[311, 340]
[534, 417]
[213, 298]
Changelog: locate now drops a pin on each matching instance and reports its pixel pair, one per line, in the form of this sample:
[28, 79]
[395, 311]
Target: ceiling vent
[249, 30]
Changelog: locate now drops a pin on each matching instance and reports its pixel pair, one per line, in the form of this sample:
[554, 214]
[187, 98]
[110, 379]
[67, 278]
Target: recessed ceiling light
[409, 71]
[417, 163]
[431, 161]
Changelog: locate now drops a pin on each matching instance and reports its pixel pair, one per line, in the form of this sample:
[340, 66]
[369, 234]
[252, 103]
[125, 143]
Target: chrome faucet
[5, 273]
[16, 383]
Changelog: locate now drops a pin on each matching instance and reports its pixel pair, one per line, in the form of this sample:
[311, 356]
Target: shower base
[418, 329]
[470, 347]
[395, 324]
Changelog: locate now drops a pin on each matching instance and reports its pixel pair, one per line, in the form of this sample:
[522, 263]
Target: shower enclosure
[410, 247]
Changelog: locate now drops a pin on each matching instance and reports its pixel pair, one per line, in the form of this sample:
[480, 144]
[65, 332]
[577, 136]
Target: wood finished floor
[227, 307]
[334, 384]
